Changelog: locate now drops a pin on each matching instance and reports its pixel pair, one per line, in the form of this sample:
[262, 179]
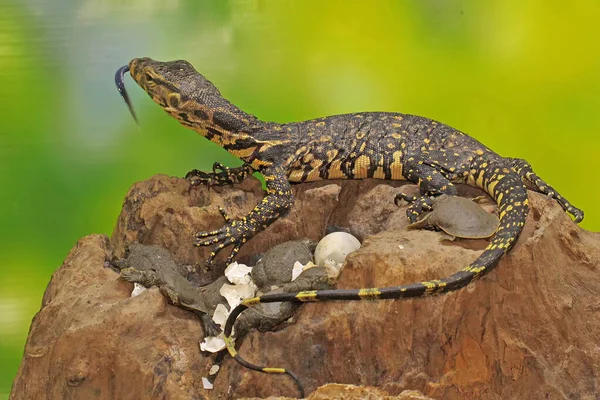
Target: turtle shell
[461, 217]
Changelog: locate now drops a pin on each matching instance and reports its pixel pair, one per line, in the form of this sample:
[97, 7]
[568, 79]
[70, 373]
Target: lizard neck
[221, 122]
[256, 142]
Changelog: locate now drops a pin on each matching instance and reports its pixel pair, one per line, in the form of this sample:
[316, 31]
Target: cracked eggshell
[221, 314]
[206, 383]
[236, 293]
[332, 268]
[137, 289]
[213, 343]
[214, 369]
[335, 246]
[297, 269]
[238, 274]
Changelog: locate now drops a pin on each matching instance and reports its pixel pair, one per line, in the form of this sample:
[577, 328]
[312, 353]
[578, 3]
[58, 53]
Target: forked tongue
[119, 80]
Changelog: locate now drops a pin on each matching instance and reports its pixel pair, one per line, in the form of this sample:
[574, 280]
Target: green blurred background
[521, 76]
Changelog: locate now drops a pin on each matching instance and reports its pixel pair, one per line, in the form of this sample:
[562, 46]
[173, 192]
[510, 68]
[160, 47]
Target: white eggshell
[221, 314]
[297, 270]
[212, 344]
[206, 383]
[236, 293]
[137, 289]
[335, 246]
[238, 274]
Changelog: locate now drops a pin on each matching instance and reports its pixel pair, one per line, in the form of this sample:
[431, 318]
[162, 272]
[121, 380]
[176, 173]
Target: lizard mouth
[119, 80]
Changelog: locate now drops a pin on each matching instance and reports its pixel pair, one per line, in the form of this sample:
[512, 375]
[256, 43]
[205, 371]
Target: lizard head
[174, 85]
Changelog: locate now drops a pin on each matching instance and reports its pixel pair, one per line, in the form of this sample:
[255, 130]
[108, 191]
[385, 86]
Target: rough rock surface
[527, 330]
[336, 391]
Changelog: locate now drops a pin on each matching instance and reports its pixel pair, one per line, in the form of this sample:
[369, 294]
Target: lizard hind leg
[537, 184]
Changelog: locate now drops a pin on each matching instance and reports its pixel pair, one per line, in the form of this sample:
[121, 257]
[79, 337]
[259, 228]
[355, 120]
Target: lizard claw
[405, 197]
[211, 328]
[220, 175]
[197, 178]
[220, 241]
[201, 235]
[418, 205]
[232, 233]
[218, 233]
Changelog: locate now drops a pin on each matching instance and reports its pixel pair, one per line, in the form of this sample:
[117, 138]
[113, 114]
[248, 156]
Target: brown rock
[336, 391]
[166, 212]
[91, 340]
[528, 330]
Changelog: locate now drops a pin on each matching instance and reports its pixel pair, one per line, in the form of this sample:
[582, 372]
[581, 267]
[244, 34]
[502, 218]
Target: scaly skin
[378, 145]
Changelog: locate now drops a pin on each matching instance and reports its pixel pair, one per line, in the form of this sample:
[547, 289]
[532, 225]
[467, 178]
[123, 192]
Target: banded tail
[511, 196]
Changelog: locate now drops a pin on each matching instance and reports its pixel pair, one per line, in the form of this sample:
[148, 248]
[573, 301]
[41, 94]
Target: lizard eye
[174, 101]
[148, 77]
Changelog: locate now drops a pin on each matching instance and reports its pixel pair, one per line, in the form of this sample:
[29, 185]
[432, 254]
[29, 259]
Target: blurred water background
[522, 77]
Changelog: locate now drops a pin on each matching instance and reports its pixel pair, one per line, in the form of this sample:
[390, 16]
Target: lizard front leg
[277, 203]
[431, 181]
[220, 176]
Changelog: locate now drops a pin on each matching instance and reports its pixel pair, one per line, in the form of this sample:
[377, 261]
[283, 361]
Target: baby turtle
[458, 217]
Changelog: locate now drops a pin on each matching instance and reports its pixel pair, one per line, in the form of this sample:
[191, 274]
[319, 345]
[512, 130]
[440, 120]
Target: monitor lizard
[380, 145]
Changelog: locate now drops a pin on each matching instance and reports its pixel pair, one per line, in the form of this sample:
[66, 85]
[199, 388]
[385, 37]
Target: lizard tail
[230, 344]
[510, 195]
